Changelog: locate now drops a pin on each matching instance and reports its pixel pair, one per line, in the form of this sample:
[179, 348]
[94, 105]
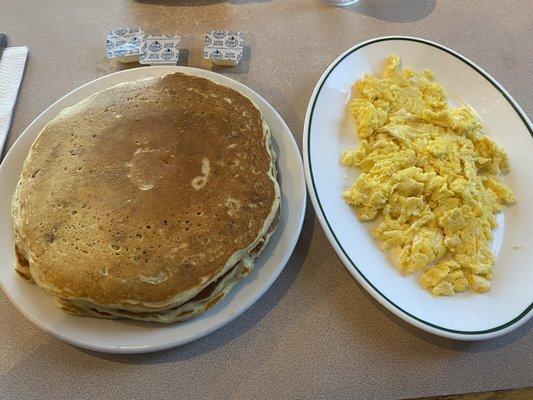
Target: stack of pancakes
[149, 200]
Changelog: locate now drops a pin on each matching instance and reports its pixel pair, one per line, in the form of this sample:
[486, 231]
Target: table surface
[316, 333]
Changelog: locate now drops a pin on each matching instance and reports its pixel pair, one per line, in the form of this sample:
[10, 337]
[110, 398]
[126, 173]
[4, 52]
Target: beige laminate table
[316, 333]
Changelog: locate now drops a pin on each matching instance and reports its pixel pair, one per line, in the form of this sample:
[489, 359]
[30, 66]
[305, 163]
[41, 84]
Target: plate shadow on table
[106, 66]
[394, 10]
[445, 343]
[237, 327]
[183, 57]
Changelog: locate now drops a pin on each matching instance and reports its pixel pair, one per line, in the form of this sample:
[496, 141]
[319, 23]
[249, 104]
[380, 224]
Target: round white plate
[117, 336]
[329, 129]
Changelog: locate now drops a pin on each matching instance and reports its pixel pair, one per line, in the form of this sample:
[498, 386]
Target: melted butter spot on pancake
[233, 205]
[147, 167]
[194, 90]
[205, 166]
[199, 181]
[160, 277]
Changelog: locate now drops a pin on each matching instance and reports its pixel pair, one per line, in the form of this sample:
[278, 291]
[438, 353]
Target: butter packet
[161, 49]
[124, 44]
[224, 47]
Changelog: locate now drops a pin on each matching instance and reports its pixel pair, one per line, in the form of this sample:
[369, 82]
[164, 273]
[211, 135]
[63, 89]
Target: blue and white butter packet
[124, 44]
[160, 49]
[224, 47]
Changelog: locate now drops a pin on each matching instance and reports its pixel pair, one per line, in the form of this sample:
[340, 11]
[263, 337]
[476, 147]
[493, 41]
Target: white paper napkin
[12, 67]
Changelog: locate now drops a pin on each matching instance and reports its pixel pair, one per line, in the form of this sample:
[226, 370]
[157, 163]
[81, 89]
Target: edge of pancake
[183, 312]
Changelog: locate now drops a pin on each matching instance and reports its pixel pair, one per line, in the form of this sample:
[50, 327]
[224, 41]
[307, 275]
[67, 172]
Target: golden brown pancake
[142, 195]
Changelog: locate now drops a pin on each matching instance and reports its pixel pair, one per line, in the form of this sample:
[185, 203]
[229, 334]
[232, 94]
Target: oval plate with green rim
[329, 129]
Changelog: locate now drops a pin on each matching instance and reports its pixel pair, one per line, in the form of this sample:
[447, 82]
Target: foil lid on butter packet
[124, 43]
[224, 47]
[161, 49]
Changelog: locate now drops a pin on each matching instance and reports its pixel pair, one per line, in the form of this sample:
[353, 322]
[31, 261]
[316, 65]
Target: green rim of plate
[493, 82]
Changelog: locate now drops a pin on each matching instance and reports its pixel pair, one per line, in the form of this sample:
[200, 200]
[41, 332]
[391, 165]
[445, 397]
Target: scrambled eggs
[430, 175]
